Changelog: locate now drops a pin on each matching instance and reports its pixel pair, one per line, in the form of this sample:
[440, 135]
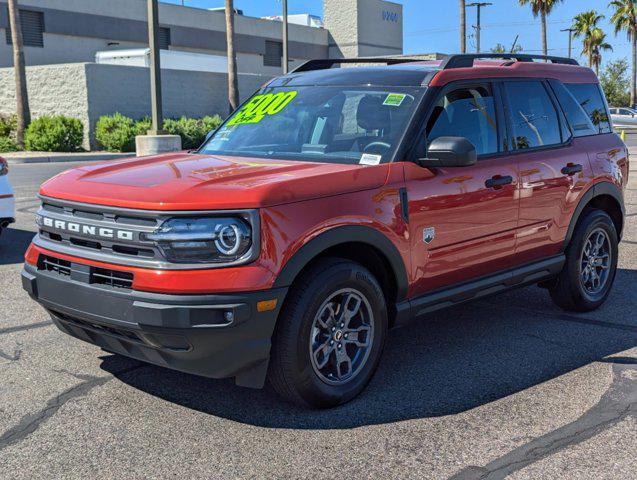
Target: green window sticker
[261, 106]
[394, 99]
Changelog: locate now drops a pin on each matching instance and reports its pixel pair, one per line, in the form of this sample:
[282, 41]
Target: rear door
[552, 169]
[463, 220]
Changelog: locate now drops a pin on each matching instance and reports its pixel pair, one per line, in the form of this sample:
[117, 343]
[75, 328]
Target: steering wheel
[369, 146]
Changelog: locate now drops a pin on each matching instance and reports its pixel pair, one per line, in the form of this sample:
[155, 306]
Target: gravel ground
[509, 386]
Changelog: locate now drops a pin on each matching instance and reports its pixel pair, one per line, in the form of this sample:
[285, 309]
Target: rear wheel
[330, 335]
[591, 263]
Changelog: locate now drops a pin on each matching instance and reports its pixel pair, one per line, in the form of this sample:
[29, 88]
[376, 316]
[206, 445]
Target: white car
[623, 116]
[7, 202]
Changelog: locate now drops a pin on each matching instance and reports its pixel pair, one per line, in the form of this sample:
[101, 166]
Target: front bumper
[215, 336]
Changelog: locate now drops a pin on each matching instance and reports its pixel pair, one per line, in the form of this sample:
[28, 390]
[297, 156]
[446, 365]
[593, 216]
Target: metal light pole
[155, 69]
[285, 37]
[570, 39]
[478, 6]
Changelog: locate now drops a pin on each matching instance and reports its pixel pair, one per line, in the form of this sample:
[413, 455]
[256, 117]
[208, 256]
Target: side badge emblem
[428, 235]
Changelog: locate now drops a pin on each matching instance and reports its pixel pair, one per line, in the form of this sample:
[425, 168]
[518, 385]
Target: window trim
[558, 111]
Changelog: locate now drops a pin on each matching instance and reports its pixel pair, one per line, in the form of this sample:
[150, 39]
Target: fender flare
[341, 235]
[601, 188]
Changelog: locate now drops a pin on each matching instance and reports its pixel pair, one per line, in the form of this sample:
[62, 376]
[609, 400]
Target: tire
[574, 289]
[301, 339]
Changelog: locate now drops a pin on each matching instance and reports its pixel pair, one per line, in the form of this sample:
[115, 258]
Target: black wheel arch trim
[342, 235]
[599, 189]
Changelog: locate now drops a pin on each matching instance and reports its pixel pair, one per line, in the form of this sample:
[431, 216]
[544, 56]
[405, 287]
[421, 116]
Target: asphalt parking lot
[505, 387]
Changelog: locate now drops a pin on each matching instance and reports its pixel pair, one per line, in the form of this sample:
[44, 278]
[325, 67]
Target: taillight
[4, 166]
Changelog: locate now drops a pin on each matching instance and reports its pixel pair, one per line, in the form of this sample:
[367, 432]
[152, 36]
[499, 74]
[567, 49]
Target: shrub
[116, 133]
[8, 125]
[192, 131]
[7, 144]
[54, 134]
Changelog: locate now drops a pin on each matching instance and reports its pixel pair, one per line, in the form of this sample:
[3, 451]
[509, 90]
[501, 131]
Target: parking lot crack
[30, 423]
[17, 353]
[30, 326]
[617, 403]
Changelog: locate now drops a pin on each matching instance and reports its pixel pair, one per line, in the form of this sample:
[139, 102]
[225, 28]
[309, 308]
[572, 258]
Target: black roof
[396, 71]
[400, 75]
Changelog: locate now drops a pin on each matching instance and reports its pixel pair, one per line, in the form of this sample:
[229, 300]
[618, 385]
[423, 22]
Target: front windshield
[346, 125]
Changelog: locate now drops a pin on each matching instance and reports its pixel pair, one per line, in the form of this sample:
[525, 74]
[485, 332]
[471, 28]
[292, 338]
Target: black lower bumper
[215, 336]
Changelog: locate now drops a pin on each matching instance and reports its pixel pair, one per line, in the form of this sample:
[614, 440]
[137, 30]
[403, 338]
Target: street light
[285, 37]
[155, 69]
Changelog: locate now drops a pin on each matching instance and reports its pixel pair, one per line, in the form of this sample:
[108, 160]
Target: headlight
[204, 240]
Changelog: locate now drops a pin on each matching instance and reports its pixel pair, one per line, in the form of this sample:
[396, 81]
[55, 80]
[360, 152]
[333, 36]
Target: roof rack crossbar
[326, 63]
[466, 60]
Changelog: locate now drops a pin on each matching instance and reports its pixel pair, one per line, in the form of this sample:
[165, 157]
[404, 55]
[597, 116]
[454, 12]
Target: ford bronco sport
[332, 205]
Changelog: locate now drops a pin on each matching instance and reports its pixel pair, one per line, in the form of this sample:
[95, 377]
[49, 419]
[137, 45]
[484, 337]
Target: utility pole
[155, 69]
[478, 6]
[570, 39]
[285, 37]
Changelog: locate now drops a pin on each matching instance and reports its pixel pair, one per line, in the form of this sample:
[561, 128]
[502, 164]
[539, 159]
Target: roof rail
[325, 63]
[466, 60]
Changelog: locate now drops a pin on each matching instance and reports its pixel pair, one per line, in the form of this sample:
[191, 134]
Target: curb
[67, 158]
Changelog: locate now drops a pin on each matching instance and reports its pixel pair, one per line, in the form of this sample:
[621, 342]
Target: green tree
[584, 25]
[543, 9]
[499, 48]
[625, 19]
[598, 45]
[616, 83]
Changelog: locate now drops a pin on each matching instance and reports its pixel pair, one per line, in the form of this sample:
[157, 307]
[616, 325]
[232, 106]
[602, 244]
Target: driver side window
[467, 112]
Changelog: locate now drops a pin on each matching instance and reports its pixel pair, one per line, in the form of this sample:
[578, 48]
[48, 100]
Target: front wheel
[330, 335]
[591, 263]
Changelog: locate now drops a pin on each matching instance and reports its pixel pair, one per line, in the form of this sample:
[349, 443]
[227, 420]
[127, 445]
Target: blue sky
[432, 25]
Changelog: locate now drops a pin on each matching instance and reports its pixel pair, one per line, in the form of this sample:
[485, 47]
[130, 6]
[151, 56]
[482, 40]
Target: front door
[463, 220]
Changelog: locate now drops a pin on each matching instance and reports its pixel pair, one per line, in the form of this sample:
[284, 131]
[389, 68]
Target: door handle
[498, 181]
[571, 169]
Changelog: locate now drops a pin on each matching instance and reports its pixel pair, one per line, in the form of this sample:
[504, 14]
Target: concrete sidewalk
[50, 157]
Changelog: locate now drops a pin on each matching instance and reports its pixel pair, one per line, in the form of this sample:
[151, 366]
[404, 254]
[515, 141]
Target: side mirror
[450, 152]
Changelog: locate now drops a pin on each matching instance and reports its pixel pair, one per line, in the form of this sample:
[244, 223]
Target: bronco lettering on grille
[89, 230]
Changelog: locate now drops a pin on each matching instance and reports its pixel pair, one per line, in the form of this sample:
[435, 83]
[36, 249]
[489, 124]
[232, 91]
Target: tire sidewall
[310, 386]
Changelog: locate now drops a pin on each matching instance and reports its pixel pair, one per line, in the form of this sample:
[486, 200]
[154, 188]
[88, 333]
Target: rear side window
[533, 118]
[590, 98]
[576, 116]
[466, 112]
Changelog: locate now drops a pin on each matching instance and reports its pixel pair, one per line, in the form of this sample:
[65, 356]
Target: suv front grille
[84, 239]
[112, 279]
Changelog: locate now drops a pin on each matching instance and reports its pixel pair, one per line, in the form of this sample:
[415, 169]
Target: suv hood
[183, 181]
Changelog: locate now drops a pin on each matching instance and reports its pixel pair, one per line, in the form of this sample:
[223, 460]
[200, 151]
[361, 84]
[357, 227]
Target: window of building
[32, 24]
[534, 120]
[467, 112]
[164, 38]
[273, 54]
[590, 98]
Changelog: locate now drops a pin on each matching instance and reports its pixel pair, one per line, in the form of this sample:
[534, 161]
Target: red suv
[333, 204]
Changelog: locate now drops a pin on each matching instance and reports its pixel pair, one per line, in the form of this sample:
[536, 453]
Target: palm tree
[625, 18]
[22, 97]
[463, 27]
[233, 82]
[584, 25]
[598, 44]
[542, 8]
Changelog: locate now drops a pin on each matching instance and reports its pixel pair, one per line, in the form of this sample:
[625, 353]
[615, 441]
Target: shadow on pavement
[13, 244]
[458, 360]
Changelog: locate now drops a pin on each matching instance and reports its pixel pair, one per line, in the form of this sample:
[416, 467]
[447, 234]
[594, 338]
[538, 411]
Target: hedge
[116, 133]
[8, 144]
[54, 134]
